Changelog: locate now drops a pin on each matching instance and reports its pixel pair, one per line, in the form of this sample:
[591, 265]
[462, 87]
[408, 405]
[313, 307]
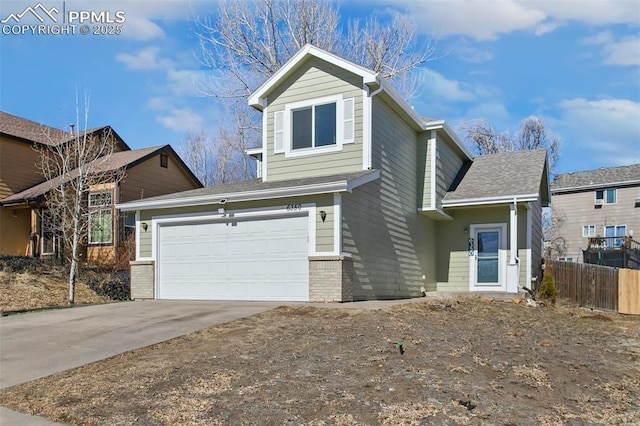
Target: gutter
[595, 186]
[255, 195]
[469, 202]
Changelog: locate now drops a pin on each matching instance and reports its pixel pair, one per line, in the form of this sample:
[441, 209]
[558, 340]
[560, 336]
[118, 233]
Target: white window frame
[591, 230]
[604, 193]
[287, 116]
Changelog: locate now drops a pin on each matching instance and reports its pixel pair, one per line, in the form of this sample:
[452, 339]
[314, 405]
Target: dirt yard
[508, 364]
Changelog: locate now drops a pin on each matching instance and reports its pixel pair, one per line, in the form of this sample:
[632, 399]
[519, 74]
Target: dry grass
[28, 290]
[308, 366]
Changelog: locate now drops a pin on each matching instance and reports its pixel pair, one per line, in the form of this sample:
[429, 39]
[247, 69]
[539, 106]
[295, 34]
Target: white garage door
[264, 259]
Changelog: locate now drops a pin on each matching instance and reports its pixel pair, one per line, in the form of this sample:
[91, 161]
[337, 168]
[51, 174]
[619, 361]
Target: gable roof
[500, 178]
[256, 189]
[32, 132]
[118, 160]
[603, 177]
[373, 80]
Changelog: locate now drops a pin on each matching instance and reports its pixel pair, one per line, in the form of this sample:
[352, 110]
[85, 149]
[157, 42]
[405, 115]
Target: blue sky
[576, 63]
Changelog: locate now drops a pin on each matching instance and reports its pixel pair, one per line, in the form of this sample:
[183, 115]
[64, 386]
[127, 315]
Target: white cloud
[142, 29]
[487, 19]
[436, 86]
[145, 59]
[625, 52]
[606, 129]
[600, 38]
[473, 55]
[182, 120]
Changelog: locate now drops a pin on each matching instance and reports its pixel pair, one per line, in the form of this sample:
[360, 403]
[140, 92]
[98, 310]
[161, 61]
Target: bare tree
[76, 164]
[483, 139]
[552, 224]
[247, 42]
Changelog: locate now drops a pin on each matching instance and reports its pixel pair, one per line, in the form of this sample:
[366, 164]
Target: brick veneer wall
[142, 279]
[330, 279]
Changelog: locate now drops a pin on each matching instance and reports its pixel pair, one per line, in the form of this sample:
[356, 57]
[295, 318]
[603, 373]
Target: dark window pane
[326, 124]
[302, 128]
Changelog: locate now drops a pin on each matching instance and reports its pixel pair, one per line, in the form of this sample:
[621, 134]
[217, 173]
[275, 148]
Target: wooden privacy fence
[595, 286]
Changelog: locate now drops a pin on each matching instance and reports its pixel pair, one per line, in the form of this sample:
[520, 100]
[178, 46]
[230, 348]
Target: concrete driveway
[40, 344]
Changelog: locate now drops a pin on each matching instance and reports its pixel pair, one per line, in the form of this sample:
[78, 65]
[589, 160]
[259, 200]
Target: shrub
[115, 286]
[548, 289]
[18, 264]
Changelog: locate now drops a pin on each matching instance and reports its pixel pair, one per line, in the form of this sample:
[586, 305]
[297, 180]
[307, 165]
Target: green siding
[424, 171]
[389, 242]
[315, 79]
[448, 164]
[452, 253]
[324, 230]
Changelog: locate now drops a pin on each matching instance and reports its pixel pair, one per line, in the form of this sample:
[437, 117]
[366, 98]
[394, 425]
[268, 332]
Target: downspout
[514, 260]
[369, 113]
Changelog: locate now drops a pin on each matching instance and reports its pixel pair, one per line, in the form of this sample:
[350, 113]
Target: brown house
[149, 172]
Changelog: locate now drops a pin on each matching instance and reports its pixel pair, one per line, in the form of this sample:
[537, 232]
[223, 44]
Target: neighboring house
[597, 210]
[357, 198]
[24, 228]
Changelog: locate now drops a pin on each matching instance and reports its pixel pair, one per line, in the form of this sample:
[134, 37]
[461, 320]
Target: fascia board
[469, 202]
[359, 181]
[441, 124]
[258, 99]
[595, 186]
[294, 191]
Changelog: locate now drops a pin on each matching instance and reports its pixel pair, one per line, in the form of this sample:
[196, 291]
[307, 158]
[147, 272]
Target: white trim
[439, 212]
[345, 109]
[367, 102]
[306, 209]
[441, 124]
[279, 149]
[502, 257]
[433, 142]
[289, 152]
[490, 200]
[337, 223]
[528, 273]
[265, 144]
[262, 194]
[513, 232]
[137, 234]
[258, 99]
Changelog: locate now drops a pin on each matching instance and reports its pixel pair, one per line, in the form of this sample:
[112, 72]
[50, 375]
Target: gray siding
[577, 209]
[324, 230]
[315, 79]
[389, 242]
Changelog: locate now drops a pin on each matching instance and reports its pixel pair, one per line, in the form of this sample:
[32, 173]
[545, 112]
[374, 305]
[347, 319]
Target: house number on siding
[294, 207]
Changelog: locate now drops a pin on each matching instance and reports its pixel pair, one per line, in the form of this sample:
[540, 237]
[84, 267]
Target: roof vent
[71, 127]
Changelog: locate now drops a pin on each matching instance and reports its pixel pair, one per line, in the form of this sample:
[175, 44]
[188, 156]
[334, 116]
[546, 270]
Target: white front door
[488, 260]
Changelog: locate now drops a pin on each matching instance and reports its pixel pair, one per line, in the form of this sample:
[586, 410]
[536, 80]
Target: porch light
[323, 215]
[144, 226]
[466, 231]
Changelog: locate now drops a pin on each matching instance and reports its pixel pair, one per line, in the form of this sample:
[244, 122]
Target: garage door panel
[264, 259]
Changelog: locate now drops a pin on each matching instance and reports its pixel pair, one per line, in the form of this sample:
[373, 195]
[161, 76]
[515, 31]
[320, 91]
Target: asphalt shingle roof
[505, 174]
[598, 177]
[30, 130]
[257, 185]
[116, 161]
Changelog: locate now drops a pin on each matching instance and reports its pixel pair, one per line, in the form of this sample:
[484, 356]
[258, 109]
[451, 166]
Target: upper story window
[100, 199]
[605, 196]
[314, 126]
[164, 161]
